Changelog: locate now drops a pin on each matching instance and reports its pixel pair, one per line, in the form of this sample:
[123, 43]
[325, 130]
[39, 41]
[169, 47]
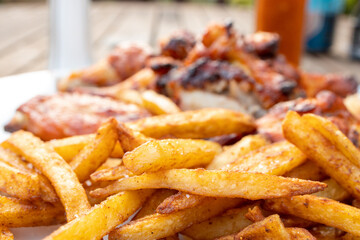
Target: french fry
[165, 154]
[255, 214]
[157, 226]
[110, 174]
[179, 202]
[292, 221]
[333, 191]
[309, 170]
[204, 123]
[230, 222]
[321, 210]
[71, 193]
[19, 184]
[5, 233]
[319, 148]
[130, 96]
[349, 236]
[276, 159]
[20, 213]
[153, 202]
[215, 183]
[69, 147]
[47, 192]
[269, 228]
[97, 152]
[158, 104]
[232, 153]
[110, 163]
[130, 139]
[300, 234]
[102, 218]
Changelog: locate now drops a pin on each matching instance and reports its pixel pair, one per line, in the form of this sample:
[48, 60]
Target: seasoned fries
[130, 139]
[102, 218]
[321, 210]
[158, 104]
[203, 123]
[110, 174]
[214, 183]
[97, 152]
[71, 193]
[20, 213]
[165, 154]
[320, 149]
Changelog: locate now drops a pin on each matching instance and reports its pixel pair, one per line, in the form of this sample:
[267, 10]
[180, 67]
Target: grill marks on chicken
[62, 115]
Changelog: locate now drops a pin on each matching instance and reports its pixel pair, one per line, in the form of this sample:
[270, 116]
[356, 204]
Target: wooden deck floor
[24, 35]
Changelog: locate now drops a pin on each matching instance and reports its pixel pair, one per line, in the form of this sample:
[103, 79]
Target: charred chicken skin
[63, 115]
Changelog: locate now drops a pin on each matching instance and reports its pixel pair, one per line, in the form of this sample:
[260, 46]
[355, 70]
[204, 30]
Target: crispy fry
[215, 183]
[97, 152]
[179, 201]
[158, 104]
[110, 163]
[71, 193]
[21, 213]
[230, 222]
[69, 147]
[299, 234]
[255, 214]
[153, 202]
[204, 123]
[165, 154]
[157, 226]
[321, 210]
[232, 153]
[100, 219]
[319, 148]
[110, 174]
[309, 170]
[292, 221]
[269, 228]
[130, 139]
[333, 191]
[5, 233]
[280, 157]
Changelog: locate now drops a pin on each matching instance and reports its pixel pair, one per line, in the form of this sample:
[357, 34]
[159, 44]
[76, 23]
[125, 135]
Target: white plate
[14, 91]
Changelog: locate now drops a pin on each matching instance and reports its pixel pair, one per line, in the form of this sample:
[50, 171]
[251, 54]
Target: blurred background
[330, 41]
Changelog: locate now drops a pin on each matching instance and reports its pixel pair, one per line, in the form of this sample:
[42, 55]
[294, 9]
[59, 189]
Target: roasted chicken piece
[64, 114]
[177, 45]
[122, 63]
[326, 104]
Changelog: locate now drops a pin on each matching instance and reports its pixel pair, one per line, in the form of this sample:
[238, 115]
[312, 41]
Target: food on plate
[121, 63]
[71, 193]
[63, 114]
[215, 183]
[165, 154]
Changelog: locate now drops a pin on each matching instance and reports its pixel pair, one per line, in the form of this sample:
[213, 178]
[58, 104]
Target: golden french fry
[157, 226]
[20, 213]
[335, 136]
[47, 192]
[180, 201]
[230, 222]
[5, 233]
[97, 152]
[275, 159]
[102, 218]
[309, 170]
[232, 153]
[69, 147]
[333, 191]
[321, 210]
[204, 123]
[130, 96]
[110, 163]
[153, 202]
[292, 221]
[110, 174]
[299, 234]
[349, 236]
[165, 154]
[130, 139]
[255, 214]
[71, 193]
[269, 228]
[319, 149]
[158, 104]
[19, 184]
[215, 183]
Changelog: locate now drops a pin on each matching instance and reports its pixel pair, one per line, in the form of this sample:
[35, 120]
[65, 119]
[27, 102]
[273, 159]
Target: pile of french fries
[166, 176]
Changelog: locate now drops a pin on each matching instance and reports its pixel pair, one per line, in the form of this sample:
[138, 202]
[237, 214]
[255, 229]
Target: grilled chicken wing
[64, 114]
